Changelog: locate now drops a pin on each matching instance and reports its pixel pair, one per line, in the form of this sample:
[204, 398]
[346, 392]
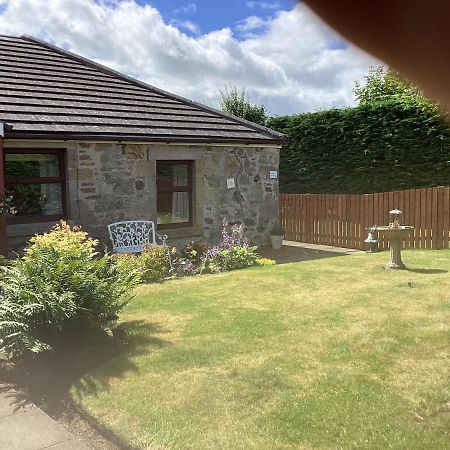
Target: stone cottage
[86, 143]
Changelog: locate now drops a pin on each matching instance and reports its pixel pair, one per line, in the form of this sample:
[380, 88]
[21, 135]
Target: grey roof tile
[48, 92]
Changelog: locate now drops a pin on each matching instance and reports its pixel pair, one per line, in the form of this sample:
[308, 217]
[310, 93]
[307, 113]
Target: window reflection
[35, 181]
[174, 193]
[31, 165]
[36, 199]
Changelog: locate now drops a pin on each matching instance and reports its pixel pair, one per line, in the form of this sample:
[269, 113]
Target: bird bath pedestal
[396, 236]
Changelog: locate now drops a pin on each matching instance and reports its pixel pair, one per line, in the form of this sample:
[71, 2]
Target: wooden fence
[342, 219]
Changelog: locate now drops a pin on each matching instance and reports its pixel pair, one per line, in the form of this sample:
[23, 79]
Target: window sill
[183, 232]
[34, 219]
[28, 229]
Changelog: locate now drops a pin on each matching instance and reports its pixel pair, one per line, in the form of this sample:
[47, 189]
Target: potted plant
[276, 236]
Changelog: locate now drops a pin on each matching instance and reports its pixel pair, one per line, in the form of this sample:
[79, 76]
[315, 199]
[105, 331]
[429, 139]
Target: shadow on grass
[46, 379]
[427, 271]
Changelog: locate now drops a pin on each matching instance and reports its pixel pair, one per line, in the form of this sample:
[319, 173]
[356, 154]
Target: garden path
[25, 427]
[297, 251]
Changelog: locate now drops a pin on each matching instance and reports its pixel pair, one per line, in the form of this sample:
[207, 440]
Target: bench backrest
[132, 236]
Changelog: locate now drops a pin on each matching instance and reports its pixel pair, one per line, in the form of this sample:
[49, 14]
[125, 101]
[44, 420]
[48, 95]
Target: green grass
[332, 353]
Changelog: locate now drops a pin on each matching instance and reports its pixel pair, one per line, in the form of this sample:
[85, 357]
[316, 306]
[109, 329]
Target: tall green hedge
[370, 148]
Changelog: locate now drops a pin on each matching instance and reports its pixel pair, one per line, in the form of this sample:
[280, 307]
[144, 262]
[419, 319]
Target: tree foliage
[395, 139]
[238, 103]
[387, 86]
[371, 148]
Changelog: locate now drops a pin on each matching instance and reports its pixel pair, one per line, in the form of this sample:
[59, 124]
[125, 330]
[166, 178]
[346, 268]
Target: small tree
[385, 85]
[238, 103]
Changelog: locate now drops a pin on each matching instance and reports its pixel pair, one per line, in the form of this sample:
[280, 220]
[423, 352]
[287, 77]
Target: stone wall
[253, 201]
[112, 182]
[113, 185]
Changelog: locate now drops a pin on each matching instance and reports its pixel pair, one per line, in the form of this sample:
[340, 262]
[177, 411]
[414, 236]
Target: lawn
[324, 354]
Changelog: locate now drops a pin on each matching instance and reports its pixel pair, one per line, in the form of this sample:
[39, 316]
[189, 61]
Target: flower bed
[232, 252]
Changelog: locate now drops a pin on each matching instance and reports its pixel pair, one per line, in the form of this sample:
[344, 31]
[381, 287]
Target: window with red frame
[36, 181]
[174, 193]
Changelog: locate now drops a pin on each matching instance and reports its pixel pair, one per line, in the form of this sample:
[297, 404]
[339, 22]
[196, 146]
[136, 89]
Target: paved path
[298, 251]
[325, 248]
[23, 426]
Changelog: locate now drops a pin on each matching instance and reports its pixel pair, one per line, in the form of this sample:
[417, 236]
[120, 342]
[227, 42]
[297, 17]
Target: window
[174, 193]
[36, 181]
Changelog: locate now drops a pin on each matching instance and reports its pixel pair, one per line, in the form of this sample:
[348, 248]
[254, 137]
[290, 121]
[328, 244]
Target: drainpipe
[3, 235]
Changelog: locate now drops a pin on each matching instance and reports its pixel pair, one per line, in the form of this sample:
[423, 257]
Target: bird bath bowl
[396, 236]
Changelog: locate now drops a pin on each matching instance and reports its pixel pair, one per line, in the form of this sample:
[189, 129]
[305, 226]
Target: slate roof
[47, 92]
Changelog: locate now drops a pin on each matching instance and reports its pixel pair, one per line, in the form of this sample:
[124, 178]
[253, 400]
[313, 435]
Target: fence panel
[343, 219]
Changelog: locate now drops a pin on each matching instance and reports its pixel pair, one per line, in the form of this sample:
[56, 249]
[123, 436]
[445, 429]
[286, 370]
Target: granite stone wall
[254, 199]
[109, 185]
[112, 182]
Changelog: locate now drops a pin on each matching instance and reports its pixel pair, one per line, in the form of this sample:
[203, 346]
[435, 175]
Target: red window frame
[189, 188]
[61, 179]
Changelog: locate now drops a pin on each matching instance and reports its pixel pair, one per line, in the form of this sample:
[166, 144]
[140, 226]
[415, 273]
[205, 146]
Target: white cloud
[263, 5]
[251, 23]
[187, 25]
[291, 66]
[190, 8]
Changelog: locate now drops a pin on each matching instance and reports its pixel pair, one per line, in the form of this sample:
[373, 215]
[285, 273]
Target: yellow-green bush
[265, 262]
[63, 239]
[152, 265]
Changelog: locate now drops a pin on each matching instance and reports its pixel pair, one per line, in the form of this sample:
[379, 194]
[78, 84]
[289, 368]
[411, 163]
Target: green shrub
[66, 241]
[128, 262]
[189, 259]
[277, 230]
[61, 285]
[233, 258]
[4, 261]
[152, 265]
[371, 148]
[233, 252]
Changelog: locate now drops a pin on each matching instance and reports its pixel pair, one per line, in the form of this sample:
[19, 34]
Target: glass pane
[36, 199]
[22, 165]
[173, 207]
[172, 175]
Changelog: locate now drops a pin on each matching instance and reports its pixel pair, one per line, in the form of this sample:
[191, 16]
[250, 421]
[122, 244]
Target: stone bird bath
[396, 234]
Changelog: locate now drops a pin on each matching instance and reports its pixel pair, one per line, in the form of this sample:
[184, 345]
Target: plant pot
[276, 241]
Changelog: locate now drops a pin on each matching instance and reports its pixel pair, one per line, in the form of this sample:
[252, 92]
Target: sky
[278, 51]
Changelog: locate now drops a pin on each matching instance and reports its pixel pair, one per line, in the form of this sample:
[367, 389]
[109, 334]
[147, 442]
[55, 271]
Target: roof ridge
[90, 63]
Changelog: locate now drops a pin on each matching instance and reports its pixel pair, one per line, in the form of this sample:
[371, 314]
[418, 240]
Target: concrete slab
[23, 426]
[73, 444]
[10, 404]
[325, 248]
[292, 252]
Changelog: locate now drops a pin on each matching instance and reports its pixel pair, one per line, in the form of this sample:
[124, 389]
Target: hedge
[371, 148]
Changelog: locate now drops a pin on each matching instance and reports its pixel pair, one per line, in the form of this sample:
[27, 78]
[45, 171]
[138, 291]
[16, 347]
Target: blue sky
[211, 15]
[278, 51]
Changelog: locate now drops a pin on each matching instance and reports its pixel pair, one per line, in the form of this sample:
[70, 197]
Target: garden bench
[134, 236]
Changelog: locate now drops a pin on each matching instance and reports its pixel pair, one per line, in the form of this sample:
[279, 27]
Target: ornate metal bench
[134, 236]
